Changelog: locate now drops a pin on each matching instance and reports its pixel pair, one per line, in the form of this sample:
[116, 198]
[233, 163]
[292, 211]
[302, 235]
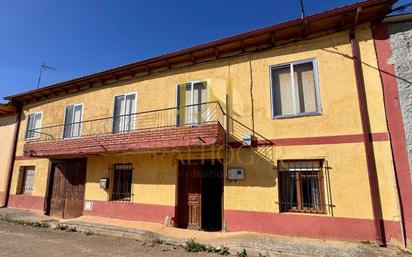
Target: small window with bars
[122, 182]
[27, 180]
[301, 186]
[295, 89]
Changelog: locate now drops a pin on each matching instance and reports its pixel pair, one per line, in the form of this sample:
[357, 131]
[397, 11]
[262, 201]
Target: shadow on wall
[7, 120]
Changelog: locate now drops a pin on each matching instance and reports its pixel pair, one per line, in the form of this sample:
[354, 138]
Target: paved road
[17, 240]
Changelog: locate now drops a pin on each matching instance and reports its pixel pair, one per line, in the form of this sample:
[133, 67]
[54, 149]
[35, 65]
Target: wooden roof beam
[193, 57]
[242, 45]
[305, 25]
[273, 38]
[167, 63]
[216, 52]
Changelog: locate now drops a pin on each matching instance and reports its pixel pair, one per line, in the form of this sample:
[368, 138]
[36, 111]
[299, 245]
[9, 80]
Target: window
[122, 182]
[124, 113]
[33, 125]
[191, 100]
[72, 121]
[27, 179]
[295, 89]
[301, 186]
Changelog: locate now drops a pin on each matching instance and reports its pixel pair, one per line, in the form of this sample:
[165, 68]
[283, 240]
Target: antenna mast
[43, 67]
[302, 9]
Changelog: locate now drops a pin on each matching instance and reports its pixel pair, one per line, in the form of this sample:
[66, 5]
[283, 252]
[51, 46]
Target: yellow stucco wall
[340, 112]
[155, 180]
[348, 177]
[40, 176]
[154, 177]
[7, 128]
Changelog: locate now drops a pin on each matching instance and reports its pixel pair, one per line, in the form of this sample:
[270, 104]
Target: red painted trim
[339, 139]
[26, 202]
[303, 225]
[395, 124]
[131, 211]
[328, 140]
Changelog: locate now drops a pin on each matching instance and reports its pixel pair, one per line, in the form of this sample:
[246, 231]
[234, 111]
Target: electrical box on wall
[249, 140]
[104, 183]
[236, 174]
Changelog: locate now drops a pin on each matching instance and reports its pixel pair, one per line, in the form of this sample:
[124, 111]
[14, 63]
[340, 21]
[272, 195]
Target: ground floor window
[301, 186]
[122, 182]
[27, 179]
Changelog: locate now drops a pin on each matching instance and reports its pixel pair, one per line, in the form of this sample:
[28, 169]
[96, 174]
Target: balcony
[176, 127]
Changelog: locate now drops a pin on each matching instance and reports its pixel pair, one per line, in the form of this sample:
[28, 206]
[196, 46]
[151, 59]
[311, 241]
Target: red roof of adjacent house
[256, 40]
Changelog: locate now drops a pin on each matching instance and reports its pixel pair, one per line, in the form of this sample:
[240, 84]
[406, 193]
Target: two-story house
[279, 130]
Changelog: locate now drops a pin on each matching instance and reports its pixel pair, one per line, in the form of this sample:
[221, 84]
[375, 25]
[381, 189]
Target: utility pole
[43, 67]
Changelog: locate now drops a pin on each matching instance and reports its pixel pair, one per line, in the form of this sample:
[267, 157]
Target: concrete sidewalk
[254, 243]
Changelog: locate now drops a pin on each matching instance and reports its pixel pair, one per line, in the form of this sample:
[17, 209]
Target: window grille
[122, 182]
[301, 186]
[28, 179]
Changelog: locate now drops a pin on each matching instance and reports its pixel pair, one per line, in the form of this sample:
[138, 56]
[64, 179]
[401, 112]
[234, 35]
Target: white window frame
[135, 111]
[192, 82]
[81, 120]
[317, 89]
[38, 131]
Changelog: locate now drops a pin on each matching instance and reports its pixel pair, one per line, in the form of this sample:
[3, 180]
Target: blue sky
[82, 37]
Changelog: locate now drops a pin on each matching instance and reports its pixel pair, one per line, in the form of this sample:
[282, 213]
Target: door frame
[201, 162]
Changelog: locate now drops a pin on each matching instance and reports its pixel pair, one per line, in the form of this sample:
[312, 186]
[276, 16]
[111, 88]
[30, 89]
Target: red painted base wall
[300, 225]
[26, 202]
[304, 225]
[131, 211]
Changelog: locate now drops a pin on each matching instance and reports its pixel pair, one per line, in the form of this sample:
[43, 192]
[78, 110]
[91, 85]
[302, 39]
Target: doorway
[65, 196]
[200, 192]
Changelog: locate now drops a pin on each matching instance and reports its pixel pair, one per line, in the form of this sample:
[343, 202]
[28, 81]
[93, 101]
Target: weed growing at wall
[193, 247]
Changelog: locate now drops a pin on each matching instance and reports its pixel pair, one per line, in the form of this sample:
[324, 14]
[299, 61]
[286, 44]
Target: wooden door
[74, 198]
[67, 193]
[189, 196]
[57, 200]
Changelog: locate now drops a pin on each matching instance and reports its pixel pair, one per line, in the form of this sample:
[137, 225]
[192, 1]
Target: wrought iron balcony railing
[190, 115]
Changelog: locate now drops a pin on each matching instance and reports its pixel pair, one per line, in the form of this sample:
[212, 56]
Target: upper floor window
[124, 112]
[295, 89]
[301, 186]
[72, 121]
[191, 99]
[34, 125]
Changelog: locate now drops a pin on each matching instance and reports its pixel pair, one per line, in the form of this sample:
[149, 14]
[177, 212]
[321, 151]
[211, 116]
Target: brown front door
[67, 188]
[189, 196]
[200, 192]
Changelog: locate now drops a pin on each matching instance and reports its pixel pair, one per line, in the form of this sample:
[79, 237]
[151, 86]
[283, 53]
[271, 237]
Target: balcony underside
[139, 140]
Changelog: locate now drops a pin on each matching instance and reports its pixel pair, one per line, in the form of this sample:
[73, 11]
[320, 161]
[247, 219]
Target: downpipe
[368, 143]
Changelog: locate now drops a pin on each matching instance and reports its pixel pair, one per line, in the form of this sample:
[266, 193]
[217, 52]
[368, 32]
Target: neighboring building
[400, 31]
[393, 40]
[8, 123]
[277, 130]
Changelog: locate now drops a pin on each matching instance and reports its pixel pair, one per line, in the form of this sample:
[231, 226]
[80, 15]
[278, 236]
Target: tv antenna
[302, 9]
[43, 67]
